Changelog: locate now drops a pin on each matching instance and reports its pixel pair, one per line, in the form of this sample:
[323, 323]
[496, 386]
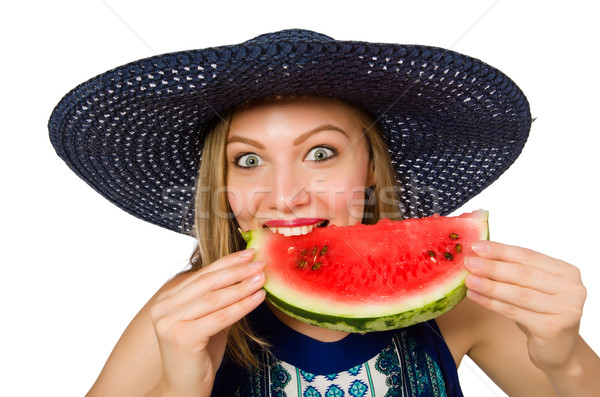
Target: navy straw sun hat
[453, 124]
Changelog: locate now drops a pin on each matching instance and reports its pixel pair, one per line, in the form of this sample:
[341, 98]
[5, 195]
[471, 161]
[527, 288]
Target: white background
[75, 269]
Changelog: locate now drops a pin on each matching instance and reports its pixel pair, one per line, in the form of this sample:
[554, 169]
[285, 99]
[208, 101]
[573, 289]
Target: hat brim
[453, 124]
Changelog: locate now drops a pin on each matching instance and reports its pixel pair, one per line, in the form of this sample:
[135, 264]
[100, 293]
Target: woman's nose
[290, 193]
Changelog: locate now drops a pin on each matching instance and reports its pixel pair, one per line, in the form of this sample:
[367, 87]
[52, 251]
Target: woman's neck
[312, 331]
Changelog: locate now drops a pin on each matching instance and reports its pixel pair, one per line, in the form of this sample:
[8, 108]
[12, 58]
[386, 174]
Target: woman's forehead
[296, 113]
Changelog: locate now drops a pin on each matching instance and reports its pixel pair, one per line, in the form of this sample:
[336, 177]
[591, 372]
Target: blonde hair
[215, 226]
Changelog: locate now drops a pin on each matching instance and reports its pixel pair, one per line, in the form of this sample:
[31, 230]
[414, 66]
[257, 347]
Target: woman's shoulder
[463, 327]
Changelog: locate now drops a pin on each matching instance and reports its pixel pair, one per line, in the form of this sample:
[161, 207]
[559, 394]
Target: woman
[452, 125]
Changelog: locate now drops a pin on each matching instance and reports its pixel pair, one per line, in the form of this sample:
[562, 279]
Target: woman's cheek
[356, 203]
[235, 201]
[346, 204]
[248, 204]
[237, 195]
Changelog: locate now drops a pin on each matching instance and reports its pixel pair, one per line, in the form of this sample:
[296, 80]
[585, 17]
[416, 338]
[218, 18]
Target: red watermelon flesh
[370, 277]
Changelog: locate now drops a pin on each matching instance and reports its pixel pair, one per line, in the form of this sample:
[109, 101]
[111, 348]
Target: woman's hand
[191, 321]
[543, 295]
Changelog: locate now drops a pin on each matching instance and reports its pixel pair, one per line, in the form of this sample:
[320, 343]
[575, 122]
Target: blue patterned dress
[409, 362]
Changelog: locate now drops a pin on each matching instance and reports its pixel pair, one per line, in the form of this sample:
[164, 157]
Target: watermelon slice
[370, 277]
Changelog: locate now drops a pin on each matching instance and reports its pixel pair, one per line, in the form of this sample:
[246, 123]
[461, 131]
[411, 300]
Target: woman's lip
[293, 222]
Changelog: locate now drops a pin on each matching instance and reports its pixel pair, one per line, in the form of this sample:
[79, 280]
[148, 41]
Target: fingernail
[474, 282]
[256, 264]
[472, 262]
[472, 294]
[257, 279]
[249, 253]
[481, 247]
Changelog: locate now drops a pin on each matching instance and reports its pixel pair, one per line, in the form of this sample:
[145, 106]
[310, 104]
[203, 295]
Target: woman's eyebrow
[325, 127]
[297, 141]
[237, 138]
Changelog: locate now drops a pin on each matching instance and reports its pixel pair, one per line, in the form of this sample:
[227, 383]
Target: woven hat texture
[453, 124]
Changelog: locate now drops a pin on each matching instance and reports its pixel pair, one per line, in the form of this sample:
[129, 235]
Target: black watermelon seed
[458, 248]
[323, 250]
[302, 264]
[316, 266]
[454, 236]
[448, 256]
[431, 254]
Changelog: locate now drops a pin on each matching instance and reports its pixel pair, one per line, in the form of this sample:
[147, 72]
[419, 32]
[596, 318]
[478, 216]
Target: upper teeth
[293, 231]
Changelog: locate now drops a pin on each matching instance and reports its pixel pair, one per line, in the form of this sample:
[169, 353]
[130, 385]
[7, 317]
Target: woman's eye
[249, 160]
[320, 153]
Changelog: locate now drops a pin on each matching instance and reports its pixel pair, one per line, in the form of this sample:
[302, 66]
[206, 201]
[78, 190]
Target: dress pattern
[402, 369]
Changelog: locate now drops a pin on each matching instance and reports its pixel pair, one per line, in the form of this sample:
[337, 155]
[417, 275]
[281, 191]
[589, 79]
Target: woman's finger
[219, 299]
[515, 273]
[239, 257]
[201, 287]
[532, 322]
[216, 280]
[522, 297]
[215, 322]
[513, 254]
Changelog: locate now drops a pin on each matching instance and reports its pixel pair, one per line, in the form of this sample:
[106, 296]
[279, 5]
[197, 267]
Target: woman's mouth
[299, 230]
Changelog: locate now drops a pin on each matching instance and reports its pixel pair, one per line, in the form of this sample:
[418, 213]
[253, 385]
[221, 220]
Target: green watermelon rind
[368, 324]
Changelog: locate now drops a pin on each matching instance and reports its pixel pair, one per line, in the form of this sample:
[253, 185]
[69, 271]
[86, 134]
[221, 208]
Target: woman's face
[295, 163]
